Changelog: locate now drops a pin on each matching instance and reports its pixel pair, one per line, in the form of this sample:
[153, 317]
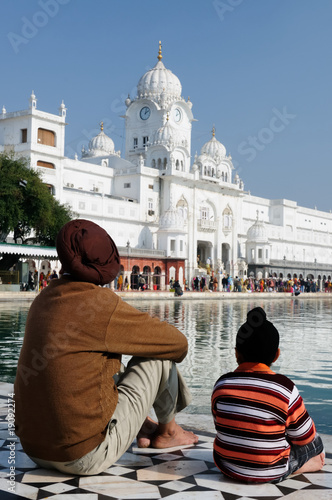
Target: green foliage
[26, 205]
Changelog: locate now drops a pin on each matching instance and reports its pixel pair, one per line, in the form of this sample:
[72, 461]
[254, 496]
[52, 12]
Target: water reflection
[305, 328]
[12, 324]
[306, 350]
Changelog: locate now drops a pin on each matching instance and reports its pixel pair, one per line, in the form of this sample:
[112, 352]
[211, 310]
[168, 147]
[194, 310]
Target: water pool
[305, 328]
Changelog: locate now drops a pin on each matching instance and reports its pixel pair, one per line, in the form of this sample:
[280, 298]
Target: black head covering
[257, 339]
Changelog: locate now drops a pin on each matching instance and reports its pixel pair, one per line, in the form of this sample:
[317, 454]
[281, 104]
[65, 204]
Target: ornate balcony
[206, 225]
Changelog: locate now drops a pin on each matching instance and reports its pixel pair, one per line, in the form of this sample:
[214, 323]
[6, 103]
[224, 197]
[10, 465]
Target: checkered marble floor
[176, 474]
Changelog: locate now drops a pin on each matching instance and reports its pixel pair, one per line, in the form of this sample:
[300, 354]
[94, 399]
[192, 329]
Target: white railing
[206, 225]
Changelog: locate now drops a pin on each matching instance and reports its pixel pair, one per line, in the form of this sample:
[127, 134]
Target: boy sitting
[264, 432]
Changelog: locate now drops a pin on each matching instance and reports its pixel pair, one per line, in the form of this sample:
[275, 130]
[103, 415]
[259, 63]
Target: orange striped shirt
[258, 414]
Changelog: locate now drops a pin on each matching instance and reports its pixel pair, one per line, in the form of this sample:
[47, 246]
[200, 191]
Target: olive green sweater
[64, 389]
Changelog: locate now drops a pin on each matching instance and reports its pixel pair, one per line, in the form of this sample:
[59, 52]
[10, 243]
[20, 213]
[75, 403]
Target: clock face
[177, 114]
[145, 113]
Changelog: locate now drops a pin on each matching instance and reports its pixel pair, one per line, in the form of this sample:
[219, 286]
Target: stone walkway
[165, 295]
[176, 474]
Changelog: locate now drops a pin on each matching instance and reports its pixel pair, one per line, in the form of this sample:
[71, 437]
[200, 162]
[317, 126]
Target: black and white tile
[176, 474]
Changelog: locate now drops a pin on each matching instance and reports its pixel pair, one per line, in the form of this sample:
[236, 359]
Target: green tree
[27, 206]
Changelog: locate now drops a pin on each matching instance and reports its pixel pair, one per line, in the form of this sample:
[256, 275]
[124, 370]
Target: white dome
[164, 134]
[100, 145]
[257, 232]
[214, 148]
[159, 80]
[172, 220]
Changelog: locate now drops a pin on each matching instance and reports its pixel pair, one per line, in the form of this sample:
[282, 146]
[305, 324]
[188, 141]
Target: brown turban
[87, 252]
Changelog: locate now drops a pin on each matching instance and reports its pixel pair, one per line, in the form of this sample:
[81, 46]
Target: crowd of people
[204, 284]
[36, 282]
[271, 284]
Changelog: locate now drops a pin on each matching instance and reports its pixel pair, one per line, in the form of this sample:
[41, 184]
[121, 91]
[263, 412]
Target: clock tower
[158, 121]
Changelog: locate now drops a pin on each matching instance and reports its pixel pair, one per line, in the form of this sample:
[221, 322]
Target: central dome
[159, 79]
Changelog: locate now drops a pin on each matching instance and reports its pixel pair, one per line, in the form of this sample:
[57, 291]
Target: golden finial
[213, 131]
[188, 99]
[159, 53]
[167, 116]
[101, 126]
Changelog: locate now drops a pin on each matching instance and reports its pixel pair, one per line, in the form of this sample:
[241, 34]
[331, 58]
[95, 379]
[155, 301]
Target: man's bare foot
[313, 465]
[173, 435]
[146, 433]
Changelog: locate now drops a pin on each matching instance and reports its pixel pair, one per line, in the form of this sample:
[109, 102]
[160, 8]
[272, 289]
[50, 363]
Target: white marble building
[161, 202]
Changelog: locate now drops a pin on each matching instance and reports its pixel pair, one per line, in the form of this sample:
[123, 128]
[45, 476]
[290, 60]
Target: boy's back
[264, 432]
[252, 408]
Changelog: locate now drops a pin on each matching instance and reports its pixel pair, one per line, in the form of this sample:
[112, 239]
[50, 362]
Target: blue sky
[259, 70]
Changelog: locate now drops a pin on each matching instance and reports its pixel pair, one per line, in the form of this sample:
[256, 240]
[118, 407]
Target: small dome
[258, 232]
[158, 80]
[100, 145]
[214, 148]
[164, 134]
[172, 220]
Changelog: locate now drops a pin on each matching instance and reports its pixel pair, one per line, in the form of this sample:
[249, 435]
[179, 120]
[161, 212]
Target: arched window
[222, 176]
[226, 177]
[153, 163]
[156, 278]
[134, 278]
[159, 163]
[213, 173]
[182, 208]
[204, 213]
[182, 166]
[177, 165]
[165, 162]
[227, 218]
[146, 273]
[204, 170]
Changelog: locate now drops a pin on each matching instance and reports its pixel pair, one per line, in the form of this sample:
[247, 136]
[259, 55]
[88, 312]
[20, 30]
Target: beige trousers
[144, 384]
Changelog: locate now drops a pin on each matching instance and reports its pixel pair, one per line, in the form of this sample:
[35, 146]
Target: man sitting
[77, 409]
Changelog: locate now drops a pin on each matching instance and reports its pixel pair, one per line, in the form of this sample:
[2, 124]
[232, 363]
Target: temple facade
[171, 215]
